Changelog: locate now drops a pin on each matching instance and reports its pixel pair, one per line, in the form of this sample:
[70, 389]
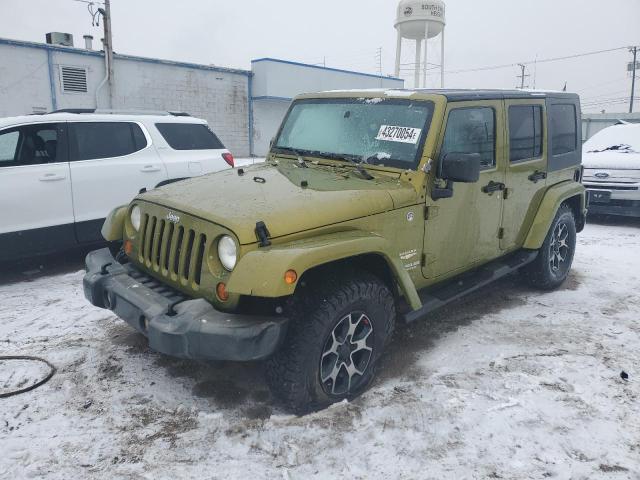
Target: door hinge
[505, 193]
[501, 233]
[423, 260]
[426, 213]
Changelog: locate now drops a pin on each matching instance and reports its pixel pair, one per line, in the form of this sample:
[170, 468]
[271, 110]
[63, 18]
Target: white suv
[611, 160]
[62, 173]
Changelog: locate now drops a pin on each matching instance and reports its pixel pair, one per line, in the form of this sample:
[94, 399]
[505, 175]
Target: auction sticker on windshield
[391, 133]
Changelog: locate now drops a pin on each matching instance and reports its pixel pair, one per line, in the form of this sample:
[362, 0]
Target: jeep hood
[285, 196]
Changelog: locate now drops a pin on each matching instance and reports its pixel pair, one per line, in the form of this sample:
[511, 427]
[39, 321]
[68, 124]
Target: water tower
[420, 20]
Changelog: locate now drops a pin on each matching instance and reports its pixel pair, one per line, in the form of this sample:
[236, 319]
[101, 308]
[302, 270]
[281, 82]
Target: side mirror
[461, 167]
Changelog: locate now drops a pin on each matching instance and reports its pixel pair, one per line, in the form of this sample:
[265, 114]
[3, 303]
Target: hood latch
[262, 232]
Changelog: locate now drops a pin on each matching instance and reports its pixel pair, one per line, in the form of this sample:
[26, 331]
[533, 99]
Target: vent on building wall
[74, 79]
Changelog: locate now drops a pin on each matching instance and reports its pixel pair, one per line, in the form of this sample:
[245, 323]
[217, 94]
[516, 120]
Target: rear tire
[339, 326]
[553, 263]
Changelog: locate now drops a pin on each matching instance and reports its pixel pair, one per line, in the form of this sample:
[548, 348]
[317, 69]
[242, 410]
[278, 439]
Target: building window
[73, 79]
[525, 132]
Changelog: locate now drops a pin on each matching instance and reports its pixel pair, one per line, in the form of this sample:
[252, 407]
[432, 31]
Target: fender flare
[553, 198]
[261, 272]
[113, 226]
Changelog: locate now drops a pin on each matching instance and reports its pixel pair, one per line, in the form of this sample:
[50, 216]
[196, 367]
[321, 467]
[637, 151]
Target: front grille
[171, 250]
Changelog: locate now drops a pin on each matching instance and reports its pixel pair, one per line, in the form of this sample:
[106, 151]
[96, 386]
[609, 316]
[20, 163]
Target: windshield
[376, 131]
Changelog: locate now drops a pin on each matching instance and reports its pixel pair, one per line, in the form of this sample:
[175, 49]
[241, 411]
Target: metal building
[243, 107]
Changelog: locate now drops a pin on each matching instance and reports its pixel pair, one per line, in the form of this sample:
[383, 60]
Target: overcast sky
[347, 34]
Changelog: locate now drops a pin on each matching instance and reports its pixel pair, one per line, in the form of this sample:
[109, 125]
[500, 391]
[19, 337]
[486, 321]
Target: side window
[189, 136]
[563, 129]
[95, 140]
[472, 130]
[525, 132]
[31, 145]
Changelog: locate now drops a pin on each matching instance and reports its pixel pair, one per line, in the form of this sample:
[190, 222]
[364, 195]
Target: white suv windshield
[376, 131]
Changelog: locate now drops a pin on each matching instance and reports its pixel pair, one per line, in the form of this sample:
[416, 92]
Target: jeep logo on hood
[172, 217]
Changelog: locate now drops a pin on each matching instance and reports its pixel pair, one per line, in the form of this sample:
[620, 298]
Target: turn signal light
[229, 159]
[290, 277]
[128, 247]
[221, 290]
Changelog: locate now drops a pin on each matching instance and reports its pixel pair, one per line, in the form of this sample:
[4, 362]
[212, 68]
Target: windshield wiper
[357, 160]
[353, 159]
[623, 148]
[300, 153]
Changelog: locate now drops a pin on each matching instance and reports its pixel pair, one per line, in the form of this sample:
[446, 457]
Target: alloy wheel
[559, 248]
[346, 354]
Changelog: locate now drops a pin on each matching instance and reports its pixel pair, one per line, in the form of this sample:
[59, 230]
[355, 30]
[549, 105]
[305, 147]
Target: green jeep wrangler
[371, 207]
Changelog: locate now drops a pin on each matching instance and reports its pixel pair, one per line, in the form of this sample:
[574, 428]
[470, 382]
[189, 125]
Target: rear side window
[189, 136]
[563, 127]
[525, 132]
[472, 130]
[95, 140]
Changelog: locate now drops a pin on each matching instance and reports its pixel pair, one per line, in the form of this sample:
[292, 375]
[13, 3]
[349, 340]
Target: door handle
[493, 187]
[150, 169]
[537, 175]
[51, 177]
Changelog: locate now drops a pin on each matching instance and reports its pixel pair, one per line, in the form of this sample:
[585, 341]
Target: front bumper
[174, 324]
[626, 208]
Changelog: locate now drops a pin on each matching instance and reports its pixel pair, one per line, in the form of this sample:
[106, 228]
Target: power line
[531, 62]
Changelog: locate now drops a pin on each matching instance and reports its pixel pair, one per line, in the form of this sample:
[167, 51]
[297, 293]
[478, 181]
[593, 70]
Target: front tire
[339, 326]
[551, 267]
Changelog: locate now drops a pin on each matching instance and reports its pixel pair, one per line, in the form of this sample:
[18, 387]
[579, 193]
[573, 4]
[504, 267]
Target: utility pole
[634, 66]
[108, 48]
[522, 76]
[379, 63]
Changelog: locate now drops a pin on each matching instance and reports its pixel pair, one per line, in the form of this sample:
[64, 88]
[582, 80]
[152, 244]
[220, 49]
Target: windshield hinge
[263, 234]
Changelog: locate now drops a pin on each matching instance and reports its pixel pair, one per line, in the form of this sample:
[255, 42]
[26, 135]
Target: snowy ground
[511, 383]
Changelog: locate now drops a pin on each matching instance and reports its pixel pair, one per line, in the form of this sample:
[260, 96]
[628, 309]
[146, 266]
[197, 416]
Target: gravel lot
[510, 383]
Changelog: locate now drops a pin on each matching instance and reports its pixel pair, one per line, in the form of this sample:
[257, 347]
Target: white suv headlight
[227, 252]
[136, 216]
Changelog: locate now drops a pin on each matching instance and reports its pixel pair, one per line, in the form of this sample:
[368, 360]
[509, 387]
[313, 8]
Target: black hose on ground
[51, 373]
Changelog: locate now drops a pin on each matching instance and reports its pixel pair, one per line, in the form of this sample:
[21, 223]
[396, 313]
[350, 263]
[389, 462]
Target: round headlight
[227, 252]
[136, 216]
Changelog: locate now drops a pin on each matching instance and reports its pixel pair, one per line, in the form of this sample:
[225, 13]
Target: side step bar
[439, 295]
